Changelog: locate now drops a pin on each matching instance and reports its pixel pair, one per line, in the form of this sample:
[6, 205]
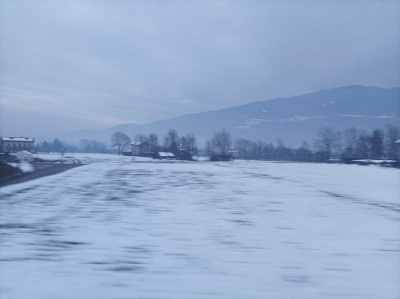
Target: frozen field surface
[123, 228]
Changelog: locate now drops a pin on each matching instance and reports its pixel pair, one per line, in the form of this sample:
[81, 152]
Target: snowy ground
[123, 228]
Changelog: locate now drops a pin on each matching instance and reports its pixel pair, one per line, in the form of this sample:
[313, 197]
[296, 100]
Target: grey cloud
[110, 62]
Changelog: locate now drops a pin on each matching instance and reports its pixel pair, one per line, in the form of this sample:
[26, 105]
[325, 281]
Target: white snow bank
[24, 156]
[25, 167]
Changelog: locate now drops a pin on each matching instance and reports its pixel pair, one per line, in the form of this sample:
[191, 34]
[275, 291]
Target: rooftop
[138, 143]
[18, 139]
[166, 154]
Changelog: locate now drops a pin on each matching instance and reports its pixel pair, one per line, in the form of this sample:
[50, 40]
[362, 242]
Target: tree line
[353, 143]
[349, 144]
[172, 142]
[84, 146]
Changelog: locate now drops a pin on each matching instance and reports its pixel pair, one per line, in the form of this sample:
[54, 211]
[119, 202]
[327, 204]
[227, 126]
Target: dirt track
[41, 170]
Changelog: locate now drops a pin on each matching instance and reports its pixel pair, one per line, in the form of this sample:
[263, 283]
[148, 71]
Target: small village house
[164, 156]
[17, 144]
[143, 149]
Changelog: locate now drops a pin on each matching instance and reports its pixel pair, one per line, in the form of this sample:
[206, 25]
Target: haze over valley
[292, 120]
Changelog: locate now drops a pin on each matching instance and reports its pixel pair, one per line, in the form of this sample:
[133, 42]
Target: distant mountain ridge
[291, 119]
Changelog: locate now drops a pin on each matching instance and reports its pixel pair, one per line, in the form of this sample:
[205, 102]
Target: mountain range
[292, 120]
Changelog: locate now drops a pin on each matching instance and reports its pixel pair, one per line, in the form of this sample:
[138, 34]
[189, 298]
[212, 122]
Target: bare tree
[188, 142]
[171, 141]
[140, 138]
[120, 140]
[328, 141]
[153, 139]
[391, 136]
[219, 144]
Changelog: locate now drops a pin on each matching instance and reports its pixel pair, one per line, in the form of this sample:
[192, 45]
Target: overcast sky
[72, 65]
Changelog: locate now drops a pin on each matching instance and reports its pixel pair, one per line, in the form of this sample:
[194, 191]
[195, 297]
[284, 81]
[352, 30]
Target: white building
[16, 144]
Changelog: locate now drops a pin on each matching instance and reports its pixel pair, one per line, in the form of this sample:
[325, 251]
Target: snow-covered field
[123, 228]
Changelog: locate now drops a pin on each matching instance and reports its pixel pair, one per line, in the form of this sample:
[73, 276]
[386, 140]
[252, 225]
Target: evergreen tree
[391, 136]
[377, 144]
[45, 147]
[171, 142]
[57, 145]
[363, 149]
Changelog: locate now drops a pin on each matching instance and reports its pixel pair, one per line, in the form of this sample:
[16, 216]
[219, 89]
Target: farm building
[164, 156]
[143, 149]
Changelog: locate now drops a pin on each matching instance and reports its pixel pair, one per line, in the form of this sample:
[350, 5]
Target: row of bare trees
[120, 141]
[84, 146]
[347, 145]
[358, 144]
[329, 143]
[172, 142]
